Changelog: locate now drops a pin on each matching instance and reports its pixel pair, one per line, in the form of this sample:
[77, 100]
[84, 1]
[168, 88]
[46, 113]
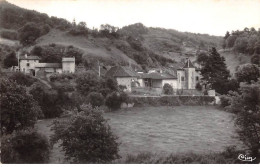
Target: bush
[22, 79]
[86, 137]
[167, 89]
[18, 108]
[247, 73]
[198, 87]
[113, 101]
[95, 99]
[25, 146]
[49, 101]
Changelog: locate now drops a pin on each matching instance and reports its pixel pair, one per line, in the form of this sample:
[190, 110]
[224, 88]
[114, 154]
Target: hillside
[143, 47]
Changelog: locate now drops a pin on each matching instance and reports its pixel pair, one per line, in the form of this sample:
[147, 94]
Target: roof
[68, 59]
[188, 64]
[156, 75]
[119, 71]
[48, 65]
[29, 58]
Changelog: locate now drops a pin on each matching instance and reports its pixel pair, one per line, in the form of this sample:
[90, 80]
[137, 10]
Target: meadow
[178, 129]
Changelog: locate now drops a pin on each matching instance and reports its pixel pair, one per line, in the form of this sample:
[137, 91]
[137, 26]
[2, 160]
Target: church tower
[190, 74]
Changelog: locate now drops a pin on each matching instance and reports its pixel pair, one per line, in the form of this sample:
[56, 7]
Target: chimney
[25, 55]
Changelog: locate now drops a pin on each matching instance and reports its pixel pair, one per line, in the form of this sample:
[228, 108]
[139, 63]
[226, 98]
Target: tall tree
[214, 71]
[10, 60]
[18, 109]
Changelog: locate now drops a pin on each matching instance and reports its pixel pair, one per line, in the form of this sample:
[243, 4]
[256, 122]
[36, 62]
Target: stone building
[31, 65]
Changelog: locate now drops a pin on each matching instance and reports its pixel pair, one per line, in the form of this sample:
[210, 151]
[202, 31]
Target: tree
[247, 73]
[50, 102]
[29, 33]
[86, 137]
[22, 79]
[25, 146]
[245, 104]
[226, 35]
[88, 82]
[95, 99]
[214, 71]
[18, 108]
[167, 89]
[10, 60]
[113, 101]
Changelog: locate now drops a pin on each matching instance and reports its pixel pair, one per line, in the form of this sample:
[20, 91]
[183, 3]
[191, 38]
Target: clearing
[178, 129]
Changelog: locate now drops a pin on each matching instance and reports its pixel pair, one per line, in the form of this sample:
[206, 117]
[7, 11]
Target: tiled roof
[48, 65]
[156, 75]
[29, 58]
[188, 64]
[68, 59]
[119, 71]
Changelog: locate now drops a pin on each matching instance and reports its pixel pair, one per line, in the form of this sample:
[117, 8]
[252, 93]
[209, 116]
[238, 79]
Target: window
[28, 64]
[182, 78]
[197, 78]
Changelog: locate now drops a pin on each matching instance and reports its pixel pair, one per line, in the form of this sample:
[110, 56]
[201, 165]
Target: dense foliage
[247, 73]
[22, 79]
[86, 137]
[18, 108]
[25, 146]
[246, 41]
[167, 89]
[245, 104]
[52, 102]
[10, 60]
[95, 99]
[214, 71]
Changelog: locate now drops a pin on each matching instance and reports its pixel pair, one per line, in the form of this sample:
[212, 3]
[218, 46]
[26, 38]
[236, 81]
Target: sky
[213, 17]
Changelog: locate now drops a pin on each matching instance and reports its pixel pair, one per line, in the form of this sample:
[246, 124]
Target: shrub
[25, 146]
[86, 137]
[247, 73]
[95, 99]
[198, 87]
[167, 88]
[88, 82]
[22, 79]
[113, 101]
[18, 108]
[49, 101]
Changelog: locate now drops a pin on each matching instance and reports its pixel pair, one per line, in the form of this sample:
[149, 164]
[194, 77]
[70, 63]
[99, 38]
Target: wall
[68, 67]
[48, 71]
[141, 81]
[180, 84]
[126, 81]
[23, 65]
[157, 83]
[172, 82]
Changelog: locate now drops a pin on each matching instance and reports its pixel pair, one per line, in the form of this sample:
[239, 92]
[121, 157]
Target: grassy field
[181, 129]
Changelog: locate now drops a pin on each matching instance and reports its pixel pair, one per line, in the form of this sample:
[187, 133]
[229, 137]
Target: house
[124, 76]
[27, 64]
[188, 76]
[31, 65]
[157, 80]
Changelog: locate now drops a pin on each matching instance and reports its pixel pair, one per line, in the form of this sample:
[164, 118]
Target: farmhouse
[31, 65]
[124, 76]
[187, 77]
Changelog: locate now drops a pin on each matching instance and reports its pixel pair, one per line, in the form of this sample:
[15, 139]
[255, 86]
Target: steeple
[188, 64]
